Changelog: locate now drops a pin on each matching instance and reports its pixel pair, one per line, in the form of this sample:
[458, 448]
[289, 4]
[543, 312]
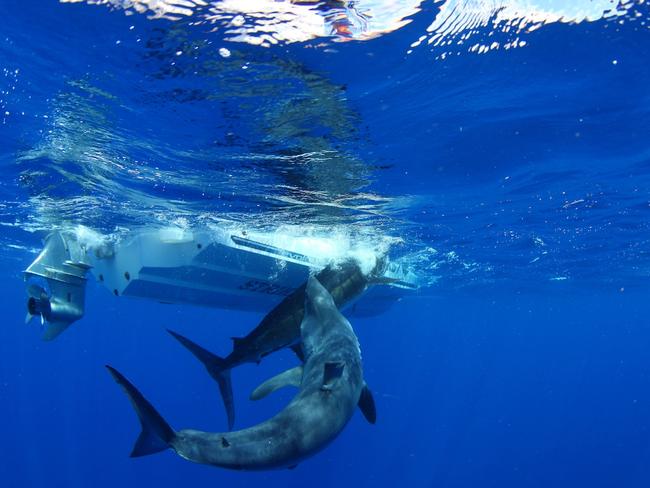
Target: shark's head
[321, 316]
[318, 301]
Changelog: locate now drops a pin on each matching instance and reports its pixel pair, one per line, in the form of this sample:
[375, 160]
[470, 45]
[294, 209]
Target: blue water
[506, 163]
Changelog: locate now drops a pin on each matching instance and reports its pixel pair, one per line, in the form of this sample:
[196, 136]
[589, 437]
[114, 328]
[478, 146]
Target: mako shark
[280, 328]
[331, 384]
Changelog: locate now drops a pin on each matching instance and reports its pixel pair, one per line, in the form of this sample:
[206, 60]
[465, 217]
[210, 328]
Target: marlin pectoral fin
[291, 377]
[384, 280]
[367, 405]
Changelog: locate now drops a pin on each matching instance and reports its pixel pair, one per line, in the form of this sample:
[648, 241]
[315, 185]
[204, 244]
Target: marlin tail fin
[156, 434]
[218, 369]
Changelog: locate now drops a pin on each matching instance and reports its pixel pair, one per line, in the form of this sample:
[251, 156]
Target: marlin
[280, 328]
[331, 385]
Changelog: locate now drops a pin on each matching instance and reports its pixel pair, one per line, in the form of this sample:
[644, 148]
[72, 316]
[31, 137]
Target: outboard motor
[207, 266]
[57, 284]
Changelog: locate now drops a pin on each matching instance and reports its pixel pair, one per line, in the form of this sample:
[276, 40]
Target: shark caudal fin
[218, 369]
[156, 434]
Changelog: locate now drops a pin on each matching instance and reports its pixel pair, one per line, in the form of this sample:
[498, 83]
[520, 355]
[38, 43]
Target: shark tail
[218, 368]
[156, 433]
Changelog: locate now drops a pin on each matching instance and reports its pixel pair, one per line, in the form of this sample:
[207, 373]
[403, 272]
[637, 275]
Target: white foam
[88, 237]
[325, 245]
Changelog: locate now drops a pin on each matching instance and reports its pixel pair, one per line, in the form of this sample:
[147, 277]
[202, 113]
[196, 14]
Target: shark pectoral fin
[367, 405]
[331, 372]
[291, 377]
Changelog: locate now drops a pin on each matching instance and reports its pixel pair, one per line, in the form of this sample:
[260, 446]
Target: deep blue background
[498, 376]
[501, 389]
[505, 389]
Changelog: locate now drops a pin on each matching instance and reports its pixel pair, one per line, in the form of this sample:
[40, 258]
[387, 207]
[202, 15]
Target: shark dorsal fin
[291, 377]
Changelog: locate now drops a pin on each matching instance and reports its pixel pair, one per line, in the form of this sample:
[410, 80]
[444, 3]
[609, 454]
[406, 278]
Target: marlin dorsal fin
[291, 377]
